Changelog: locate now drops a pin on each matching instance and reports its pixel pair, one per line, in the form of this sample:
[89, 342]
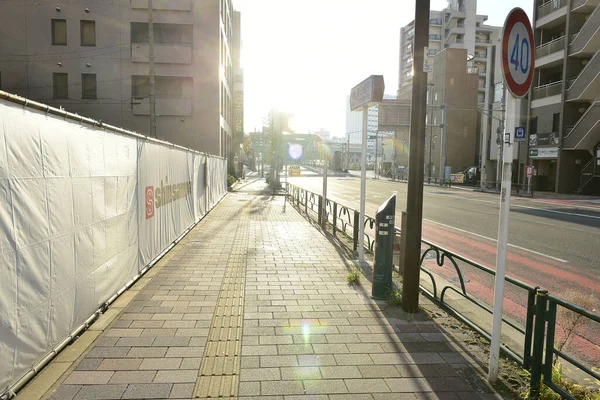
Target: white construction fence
[84, 209]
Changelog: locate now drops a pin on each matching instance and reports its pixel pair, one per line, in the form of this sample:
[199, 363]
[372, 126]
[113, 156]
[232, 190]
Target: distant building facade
[92, 58]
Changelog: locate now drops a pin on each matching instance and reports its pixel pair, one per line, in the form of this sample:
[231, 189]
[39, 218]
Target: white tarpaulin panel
[67, 197]
[166, 183]
[82, 209]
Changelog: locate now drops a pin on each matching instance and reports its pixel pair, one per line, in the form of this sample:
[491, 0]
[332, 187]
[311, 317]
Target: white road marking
[495, 240]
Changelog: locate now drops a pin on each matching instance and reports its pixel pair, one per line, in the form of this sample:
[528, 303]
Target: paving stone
[366, 385]
[278, 361]
[259, 374]
[340, 372]
[88, 377]
[148, 391]
[108, 352]
[160, 363]
[270, 388]
[93, 392]
[120, 364]
[300, 373]
[133, 377]
[411, 385]
[88, 364]
[167, 341]
[182, 391]
[65, 392]
[176, 376]
[329, 386]
[144, 352]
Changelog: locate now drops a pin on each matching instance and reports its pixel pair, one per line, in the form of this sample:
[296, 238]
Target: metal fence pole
[355, 230]
[550, 341]
[320, 215]
[305, 202]
[538, 343]
[528, 330]
[334, 217]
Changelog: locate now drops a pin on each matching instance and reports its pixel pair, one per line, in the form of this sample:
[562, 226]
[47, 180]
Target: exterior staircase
[586, 87]
[590, 177]
[586, 133]
[588, 38]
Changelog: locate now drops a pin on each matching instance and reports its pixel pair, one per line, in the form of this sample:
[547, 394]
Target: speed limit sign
[518, 56]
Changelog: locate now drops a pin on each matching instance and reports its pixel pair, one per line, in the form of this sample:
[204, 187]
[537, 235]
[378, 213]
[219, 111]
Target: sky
[304, 56]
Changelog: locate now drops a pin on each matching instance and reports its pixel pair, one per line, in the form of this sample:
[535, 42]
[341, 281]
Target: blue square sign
[520, 134]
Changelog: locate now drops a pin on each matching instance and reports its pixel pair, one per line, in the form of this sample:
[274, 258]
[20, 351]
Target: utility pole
[151, 76]
[411, 239]
[500, 140]
[443, 140]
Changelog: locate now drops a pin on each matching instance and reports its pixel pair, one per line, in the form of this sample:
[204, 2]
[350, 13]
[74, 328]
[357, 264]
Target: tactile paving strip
[220, 367]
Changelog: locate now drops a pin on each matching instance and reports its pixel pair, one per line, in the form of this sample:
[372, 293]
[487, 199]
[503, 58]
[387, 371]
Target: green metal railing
[540, 308]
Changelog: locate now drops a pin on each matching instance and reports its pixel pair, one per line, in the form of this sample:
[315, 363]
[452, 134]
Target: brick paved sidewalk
[253, 303]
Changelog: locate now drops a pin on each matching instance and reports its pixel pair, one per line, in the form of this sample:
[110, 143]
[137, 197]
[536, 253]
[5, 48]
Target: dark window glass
[88, 33]
[59, 32]
[88, 86]
[61, 85]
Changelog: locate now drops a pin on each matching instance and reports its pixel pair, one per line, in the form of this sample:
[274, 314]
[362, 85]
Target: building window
[88, 33]
[555, 122]
[88, 86]
[163, 33]
[60, 83]
[59, 32]
[166, 87]
[533, 125]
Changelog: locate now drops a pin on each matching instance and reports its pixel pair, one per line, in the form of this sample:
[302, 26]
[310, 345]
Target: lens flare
[295, 151]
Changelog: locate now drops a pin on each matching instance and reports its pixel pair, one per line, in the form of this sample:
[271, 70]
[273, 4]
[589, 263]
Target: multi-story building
[457, 27]
[92, 58]
[564, 108]
[451, 131]
[354, 121]
[238, 92]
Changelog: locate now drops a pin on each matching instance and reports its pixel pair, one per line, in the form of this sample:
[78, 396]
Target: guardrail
[528, 351]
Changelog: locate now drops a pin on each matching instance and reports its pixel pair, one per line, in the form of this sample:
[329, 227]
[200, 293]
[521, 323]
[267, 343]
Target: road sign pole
[363, 187]
[501, 261]
[518, 58]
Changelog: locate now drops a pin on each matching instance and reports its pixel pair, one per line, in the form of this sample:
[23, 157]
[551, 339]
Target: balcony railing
[432, 52]
[550, 89]
[435, 22]
[480, 55]
[549, 7]
[478, 40]
[435, 37]
[550, 47]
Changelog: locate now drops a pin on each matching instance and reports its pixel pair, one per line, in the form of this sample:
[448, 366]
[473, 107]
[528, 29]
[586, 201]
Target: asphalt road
[553, 243]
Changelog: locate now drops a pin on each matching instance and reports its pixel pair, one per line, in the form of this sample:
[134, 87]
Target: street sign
[520, 135]
[367, 93]
[529, 171]
[518, 56]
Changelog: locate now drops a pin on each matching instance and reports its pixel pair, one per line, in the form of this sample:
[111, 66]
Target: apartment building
[456, 27]
[564, 108]
[451, 131]
[92, 58]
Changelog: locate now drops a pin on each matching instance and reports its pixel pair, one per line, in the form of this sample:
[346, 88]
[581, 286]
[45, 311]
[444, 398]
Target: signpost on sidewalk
[518, 60]
[364, 95]
[529, 172]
